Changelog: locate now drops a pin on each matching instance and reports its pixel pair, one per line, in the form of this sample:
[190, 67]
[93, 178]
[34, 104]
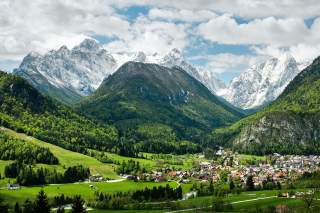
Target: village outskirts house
[13, 186]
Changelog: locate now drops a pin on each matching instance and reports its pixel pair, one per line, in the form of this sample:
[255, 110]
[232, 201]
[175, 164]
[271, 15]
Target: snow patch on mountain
[206, 77]
[173, 58]
[81, 69]
[262, 83]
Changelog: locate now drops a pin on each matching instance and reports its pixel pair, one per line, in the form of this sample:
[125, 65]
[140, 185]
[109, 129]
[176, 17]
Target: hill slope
[66, 158]
[24, 109]
[289, 125]
[141, 93]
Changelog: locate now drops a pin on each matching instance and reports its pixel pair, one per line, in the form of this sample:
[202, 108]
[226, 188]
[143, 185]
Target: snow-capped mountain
[81, 69]
[262, 83]
[207, 78]
[68, 75]
[173, 58]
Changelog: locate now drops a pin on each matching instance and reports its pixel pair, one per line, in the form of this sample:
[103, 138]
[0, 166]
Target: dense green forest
[13, 149]
[119, 200]
[24, 109]
[28, 175]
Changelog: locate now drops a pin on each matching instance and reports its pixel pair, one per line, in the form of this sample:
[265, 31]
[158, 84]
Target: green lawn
[66, 157]
[249, 158]
[249, 201]
[153, 161]
[83, 189]
[126, 211]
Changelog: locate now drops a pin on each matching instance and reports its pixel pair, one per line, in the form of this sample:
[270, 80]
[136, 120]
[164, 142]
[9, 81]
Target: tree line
[27, 175]
[42, 205]
[130, 167]
[14, 149]
[121, 200]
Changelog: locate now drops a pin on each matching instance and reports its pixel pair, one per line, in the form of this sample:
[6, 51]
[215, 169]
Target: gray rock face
[296, 133]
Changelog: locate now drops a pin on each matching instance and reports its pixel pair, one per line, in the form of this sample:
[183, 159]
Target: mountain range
[69, 75]
[157, 102]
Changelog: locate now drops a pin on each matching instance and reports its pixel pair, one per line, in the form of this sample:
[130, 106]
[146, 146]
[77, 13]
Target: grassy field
[126, 211]
[250, 158]
[83, 189]
[69, 158]
[66, 157]
[241, 203]
[153, 161]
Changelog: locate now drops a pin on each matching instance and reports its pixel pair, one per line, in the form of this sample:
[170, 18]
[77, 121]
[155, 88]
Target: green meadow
[86, 190]
[66, 157]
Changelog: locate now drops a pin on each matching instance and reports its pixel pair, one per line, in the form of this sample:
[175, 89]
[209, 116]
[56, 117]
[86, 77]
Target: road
[235, 202]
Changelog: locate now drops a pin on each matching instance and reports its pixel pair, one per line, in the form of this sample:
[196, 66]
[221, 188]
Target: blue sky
[225, 37]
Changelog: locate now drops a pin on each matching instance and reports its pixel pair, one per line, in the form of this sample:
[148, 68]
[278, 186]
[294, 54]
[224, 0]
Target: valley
[193, 172]
[137, 120]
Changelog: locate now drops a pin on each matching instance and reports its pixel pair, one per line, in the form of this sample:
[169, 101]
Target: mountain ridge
[139, 91]
[69, 75]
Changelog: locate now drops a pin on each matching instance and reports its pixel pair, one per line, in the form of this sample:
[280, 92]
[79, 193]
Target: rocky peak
[262, 83]
[173, 55]
[139, 57]
[62, 51]
[30, 56]
[88, 45]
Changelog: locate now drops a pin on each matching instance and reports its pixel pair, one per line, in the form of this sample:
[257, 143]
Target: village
[227, 166]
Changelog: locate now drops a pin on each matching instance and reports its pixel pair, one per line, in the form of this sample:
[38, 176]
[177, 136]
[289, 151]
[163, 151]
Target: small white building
[13, 186]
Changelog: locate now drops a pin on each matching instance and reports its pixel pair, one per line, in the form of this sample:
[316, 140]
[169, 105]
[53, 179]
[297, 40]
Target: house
[284, 194]
[96, 178]
[13, 186]
[184, 181]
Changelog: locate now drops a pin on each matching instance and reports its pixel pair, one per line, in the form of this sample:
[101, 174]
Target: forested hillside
[24, 109]
[158, 107]
[289, 125]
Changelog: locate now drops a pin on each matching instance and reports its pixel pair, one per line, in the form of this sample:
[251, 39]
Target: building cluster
[278, 168]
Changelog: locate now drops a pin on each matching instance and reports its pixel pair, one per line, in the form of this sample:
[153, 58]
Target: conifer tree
[78, 205]
[41, 204]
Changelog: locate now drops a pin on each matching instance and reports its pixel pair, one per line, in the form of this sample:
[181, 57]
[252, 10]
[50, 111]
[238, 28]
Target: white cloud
[152, 36]
[301, 52]
[181, 15]
[42, 25]
[242, 8]
[225, 29]
[271, 27]
[228, 63]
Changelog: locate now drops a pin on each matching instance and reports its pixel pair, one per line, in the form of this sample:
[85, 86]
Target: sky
[223, 36]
